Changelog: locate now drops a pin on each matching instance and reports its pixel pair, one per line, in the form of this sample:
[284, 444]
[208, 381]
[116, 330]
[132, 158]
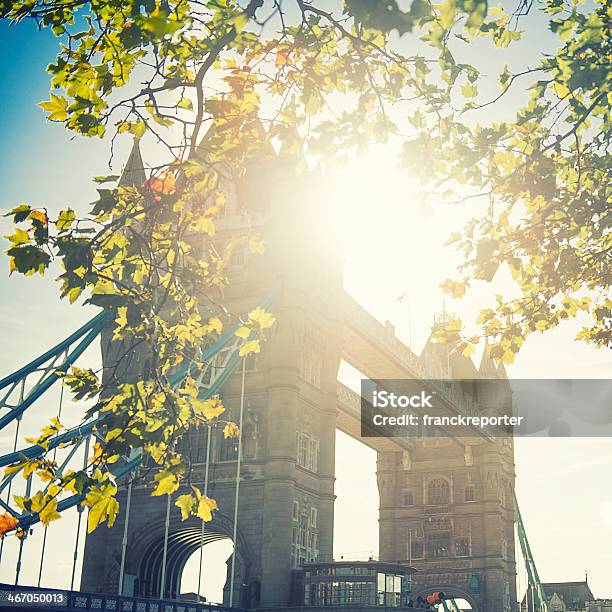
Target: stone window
[463, 547]
[439, 545]
[438, 491]
[469, 493]
[304, 544]
[408, 498]
[311, 366]
[313, 517]
[417, 549]
[238, 255]
[228, 449]
[307, 451]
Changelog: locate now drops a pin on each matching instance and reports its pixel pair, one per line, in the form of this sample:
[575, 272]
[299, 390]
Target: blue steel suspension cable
[95, 323]
[44, 542]
[92, 329]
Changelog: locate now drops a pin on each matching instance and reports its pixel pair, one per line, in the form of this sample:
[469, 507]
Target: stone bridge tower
[446, 506]
[285, 510]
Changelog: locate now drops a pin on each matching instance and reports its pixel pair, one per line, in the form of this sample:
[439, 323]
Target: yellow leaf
[29, 469]
[54, 490]
[249, 347]
[45, 475]
[210, 408]
[468, 349]
[256, 244]
[561, 89]
[102, 506]
[19, 237]
[186, 503]
[215, 324]
[39, 215]
[261, 318]
[243, 332]
[239, 21]
[231, 430]
[7, 523]
[167, 483]
[205, 508]
[541, 325]
[112, 434]
[185, 103]
[56, 107]
[104, 287]
[49, 512]
[74, 293]
[97, 452]
[205, 225]
[121, 319]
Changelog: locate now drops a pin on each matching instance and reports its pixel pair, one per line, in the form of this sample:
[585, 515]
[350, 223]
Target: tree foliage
[324, 80]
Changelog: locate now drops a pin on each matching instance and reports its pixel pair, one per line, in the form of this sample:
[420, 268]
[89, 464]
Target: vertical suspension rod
[162, 586]
[239, 458]
[17, 425]
[78, 531]
[124, 541]
[23, 538]
[208, 440]
[44, 542]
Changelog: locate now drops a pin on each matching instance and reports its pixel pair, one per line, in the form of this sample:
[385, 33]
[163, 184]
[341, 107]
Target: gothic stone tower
[285, 510]
[447, 505]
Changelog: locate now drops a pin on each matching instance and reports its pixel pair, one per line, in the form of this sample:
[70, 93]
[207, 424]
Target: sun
[394, 243]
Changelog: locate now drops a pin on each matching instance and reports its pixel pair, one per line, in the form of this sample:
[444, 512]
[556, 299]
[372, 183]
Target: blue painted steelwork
[533, 577]
[35, 450]
[49, 377]
[87, 428]
[96, 322]
[28, 520]
[221, 357]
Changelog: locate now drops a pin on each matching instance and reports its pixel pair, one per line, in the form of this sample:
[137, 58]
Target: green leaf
[469, 91]
[239, 21]
[19, 237]
[65, 219]
[56, 107]
[138, 129]
[20, 213]
[106, 179]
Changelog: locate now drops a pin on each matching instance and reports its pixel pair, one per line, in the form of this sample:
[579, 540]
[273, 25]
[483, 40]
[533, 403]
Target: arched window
[469, 493]
[438, 491]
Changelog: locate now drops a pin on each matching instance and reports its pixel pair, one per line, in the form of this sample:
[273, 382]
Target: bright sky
[392, 248]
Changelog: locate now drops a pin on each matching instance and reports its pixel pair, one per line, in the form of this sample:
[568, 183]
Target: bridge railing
[77, 600]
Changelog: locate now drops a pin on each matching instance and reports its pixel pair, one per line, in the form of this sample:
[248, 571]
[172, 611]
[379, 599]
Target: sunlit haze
[395, 259]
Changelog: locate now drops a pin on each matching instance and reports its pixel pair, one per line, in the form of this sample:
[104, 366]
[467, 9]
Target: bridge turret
[285, 509]
[448, 510]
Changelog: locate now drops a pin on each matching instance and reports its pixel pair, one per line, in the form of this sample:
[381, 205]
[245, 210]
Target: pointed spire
[133, 174]
[487, 368]
[501, 371]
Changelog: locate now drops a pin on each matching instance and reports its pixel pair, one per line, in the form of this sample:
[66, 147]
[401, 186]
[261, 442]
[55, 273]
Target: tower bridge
[446, 504]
